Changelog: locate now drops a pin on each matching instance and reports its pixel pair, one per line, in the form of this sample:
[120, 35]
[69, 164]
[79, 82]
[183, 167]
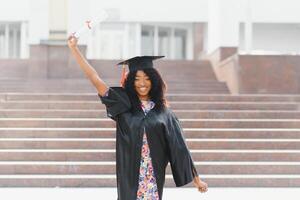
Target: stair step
[91, 105]
[223, 144]
[170, 96]
[237, 181]
[185, 123]
[194, 114]
[85, 169]
[109, 155]
[110, 133]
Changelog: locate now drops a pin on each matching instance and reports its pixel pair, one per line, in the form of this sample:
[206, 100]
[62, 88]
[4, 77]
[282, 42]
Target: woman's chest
[136, 123]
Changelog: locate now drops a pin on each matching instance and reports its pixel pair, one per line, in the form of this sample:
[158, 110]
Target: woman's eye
[140, 79]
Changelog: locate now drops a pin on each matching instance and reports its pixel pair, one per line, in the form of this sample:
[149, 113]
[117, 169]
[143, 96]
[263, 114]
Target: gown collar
[151, 105]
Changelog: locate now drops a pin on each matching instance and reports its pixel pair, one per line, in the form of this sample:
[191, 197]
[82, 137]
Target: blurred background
[180, 30]
[33, 38]
[233, 73]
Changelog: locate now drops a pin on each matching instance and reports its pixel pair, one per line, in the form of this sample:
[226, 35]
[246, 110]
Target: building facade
[179, 30]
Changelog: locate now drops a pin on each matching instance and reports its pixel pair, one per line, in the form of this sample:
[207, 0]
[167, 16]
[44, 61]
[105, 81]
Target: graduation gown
[165, 139]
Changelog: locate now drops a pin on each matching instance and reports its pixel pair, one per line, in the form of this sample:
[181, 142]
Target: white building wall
[157, 10]
[14, 10]
[38, 21]
[34, 16]
[270, 11]
[58, 19]
[223, 28]
[78, 12]
[273, 39]
[213, 28]
[34, 12]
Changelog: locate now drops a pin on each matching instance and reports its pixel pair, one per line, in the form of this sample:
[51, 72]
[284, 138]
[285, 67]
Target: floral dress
[147, 189]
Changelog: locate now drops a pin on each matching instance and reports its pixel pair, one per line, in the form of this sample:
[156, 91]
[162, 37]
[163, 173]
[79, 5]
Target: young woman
[148, 134]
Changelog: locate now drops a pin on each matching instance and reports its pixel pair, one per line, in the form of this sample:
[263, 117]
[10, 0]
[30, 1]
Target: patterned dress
[147, 189]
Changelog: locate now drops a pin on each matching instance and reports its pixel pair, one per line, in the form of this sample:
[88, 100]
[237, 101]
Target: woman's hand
[201, 185]
[72, 42]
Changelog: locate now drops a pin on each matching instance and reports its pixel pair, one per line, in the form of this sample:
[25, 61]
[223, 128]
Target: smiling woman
[148, 134]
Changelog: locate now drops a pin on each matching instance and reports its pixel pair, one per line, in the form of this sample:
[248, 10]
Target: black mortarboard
[140, 62]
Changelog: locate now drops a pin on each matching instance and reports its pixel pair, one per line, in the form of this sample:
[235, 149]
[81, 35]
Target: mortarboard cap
[140, 62]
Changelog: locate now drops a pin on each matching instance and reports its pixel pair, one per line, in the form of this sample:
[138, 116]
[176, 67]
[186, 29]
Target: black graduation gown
[165, 139]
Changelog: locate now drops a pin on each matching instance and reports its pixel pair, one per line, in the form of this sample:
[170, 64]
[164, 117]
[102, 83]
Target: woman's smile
[142, 89]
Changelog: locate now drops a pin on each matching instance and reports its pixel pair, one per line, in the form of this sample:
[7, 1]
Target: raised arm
[89, 71]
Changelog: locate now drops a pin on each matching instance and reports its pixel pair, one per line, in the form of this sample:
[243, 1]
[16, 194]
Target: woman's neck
[144, 98]
[145, 101]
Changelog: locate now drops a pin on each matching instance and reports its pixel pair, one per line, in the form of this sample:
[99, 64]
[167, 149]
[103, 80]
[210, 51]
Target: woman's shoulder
[113, 90]
[168, 112]
[117, 88]
[115, 95]
[116, 101]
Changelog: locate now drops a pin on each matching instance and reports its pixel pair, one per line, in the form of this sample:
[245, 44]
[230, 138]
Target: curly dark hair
[156, 93]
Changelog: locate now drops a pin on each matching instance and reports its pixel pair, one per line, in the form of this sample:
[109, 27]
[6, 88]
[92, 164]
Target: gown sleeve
[116, 101]
[182, 165]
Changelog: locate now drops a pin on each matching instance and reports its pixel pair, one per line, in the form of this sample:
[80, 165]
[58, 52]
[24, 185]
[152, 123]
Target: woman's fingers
[72, 38]
[204, 189]
[202, 186]
[72, 41]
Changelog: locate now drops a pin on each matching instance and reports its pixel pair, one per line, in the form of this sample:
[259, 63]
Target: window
[10, 40]
[180, 43]
[164, 42]
[147, 40]
[107, 42]
[2, 42]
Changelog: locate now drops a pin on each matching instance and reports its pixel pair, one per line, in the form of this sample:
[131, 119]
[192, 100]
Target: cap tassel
[123, 76]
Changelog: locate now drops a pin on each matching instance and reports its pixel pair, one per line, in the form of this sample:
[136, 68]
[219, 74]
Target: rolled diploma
[89, 24]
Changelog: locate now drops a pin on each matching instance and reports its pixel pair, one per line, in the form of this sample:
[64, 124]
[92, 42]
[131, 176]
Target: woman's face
[142, 85]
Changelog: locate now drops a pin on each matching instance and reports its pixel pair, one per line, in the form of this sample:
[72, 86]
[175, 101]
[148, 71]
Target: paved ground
[169, 194]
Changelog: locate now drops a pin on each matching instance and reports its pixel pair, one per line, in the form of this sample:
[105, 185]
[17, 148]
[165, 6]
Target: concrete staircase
[180, 76]
[64, 138]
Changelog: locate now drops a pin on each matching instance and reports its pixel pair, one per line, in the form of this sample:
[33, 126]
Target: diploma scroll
[90, 24]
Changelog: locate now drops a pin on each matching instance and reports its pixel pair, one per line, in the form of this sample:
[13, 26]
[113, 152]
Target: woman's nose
[142, 83]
